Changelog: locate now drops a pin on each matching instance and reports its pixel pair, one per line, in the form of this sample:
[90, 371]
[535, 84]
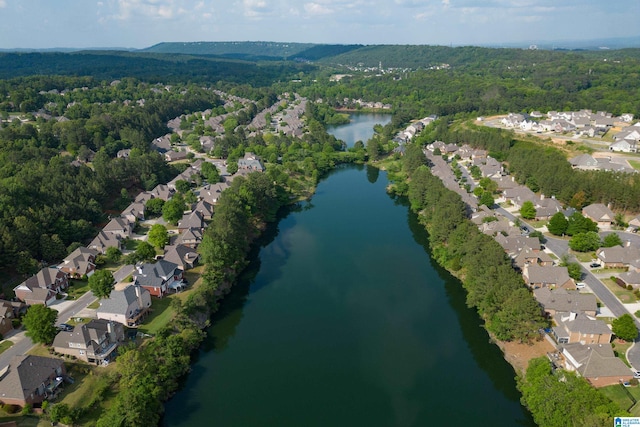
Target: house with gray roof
[190, 237]
[579, 327]
[631, 278]
[127, 306]
[538, 276]
[205, 209]
[181, 255]
[212, 192]
[103, 241]
[600, 214]
[158, 278]
[528, 256]
[162, 191]
[134, 212]
[618, 256]
[555, 301]
[30, 380]
[584, 162]
[43, 287]
[162, 144]
[514, 244]
[191, 220]
[80, 262]
[517, 196]
[94, 342]
[119, 227]
[597, 363]
[251, 162]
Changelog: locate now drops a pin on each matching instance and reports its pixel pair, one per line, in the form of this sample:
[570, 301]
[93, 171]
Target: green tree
[580, 224]
[413, 158]
[373, 149]
[173, 209]
[574, 270]
[182, 186]
[528, 210]
[585, 242]
[39, 322]
[625, 328]
[558, 224]
[153, 207]
[232, 167]
[487, 199]
[101, 283]
[158, 236]
[113, 254]
[210, 172]
[145, 252]
[611, 240]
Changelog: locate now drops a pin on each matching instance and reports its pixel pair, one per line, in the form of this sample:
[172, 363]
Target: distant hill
[254, 51]
[157, 67]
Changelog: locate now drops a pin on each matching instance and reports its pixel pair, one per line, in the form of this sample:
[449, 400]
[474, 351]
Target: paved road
[561, 247]
[22, 344]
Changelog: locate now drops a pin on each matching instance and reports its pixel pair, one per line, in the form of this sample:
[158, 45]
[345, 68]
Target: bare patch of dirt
[518, 355]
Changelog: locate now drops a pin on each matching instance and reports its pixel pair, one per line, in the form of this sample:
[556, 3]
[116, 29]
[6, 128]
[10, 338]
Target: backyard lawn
[160, 315]
[623, 397]
[77, 288]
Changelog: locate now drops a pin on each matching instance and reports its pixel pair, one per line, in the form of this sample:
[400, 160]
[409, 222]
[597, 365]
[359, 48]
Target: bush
[11, 409]
[629, 287]
[26, 410]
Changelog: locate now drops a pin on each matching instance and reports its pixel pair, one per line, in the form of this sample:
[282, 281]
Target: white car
[581, 285]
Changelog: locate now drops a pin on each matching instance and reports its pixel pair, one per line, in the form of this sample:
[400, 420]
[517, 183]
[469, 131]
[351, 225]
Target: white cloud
[155, 9]
[314, 9]
[256, 9]
[3, 3]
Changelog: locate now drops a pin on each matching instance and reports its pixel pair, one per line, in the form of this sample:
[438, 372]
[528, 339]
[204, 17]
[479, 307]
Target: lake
[360, 128]
[342, 319]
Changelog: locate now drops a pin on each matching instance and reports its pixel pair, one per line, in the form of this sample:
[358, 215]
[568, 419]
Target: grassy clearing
[90, 391]
[23, 421]
[618, 395]
[634, 164]
[623, 295]
[584, 256]
[131, 244]
[39, 350]
[94, 305]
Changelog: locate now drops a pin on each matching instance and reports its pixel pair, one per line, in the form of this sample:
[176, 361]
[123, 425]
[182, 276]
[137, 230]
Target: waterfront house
[596, 363]
[94, 342]
[579, 327]
[158, 278]
[554, 301]
[538, 276]
[127, 306]
[29, 380]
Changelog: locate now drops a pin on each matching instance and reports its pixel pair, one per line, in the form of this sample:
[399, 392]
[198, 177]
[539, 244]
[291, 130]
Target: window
[81, 352]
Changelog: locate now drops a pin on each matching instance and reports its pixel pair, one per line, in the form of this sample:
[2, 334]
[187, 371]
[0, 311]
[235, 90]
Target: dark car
[65, 327]
[594, 265]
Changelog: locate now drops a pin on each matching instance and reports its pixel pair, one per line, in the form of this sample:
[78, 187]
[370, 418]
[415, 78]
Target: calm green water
[343, 320]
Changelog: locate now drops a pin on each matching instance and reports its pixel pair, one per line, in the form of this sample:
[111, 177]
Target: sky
[143, 23]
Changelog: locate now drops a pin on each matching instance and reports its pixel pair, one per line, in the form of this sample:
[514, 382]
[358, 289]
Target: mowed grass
[160, 315]
[634, 164]
[623, 295]
[618, 394]
[77, 288]
[5, 345]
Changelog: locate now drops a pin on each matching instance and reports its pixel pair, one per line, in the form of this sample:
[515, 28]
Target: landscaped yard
[620, 348]
[634, 164]
[623, 295]
[160, 316]
[620, 395]
[131, 244]
[77, 288]
[583, 256]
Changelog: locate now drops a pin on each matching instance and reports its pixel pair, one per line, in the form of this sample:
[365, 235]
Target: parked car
[636, 375]
[65, 327]
[594, 265]
[581, 285]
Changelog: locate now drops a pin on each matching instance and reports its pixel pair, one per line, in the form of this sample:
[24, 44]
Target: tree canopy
[39, 322]
[101, 283]
[625, 328]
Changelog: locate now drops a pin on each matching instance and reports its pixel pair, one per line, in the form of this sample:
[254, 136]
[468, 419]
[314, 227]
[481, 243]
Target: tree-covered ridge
[167, 68]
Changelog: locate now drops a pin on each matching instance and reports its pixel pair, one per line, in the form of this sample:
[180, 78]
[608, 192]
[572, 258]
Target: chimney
[138, 295]
[110, 328]
[572, 316]
[541, 196]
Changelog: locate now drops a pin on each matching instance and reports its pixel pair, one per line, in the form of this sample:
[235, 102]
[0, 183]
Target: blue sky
[142, 23]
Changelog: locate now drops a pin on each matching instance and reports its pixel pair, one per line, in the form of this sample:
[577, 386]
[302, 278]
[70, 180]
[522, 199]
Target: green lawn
[5, 345]
[623, 295]
[584, 256]
[620, 348]
[26, 421]
[160, 316]
[634, 164]
[609, 270]
[618, 394]
[131, 244]
[94, 305]
[77, 288]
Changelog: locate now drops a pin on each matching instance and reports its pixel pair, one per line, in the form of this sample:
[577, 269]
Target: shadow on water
[484, 352]
[372, 174]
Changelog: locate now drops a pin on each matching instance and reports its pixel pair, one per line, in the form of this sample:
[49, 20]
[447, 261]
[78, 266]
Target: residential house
[190, 237]
[158, 278]
[172, 156]
[7, 314]
[597, 363]
[584, 162]
[103, 241]
[207, 143]
[625, 146]
[631, 278]
[251, 162]
[528, 256]
[80, 262]
[29, 380]
[119, 227]
[579, 327]
[183, 256]
[124, 154]
[505, 182]
[94, 342]
[538, 276]
[212, 192]
[191, 220]
[517, 196]
[127, 306]
[43, 287]
[635, 223]
[514, 244]
[555, 301]
[162, 145]
[205, 209]
[546, 207]
[599, 213]
[162, 191]
[618, 256]
[134, 212]
[501, 226]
